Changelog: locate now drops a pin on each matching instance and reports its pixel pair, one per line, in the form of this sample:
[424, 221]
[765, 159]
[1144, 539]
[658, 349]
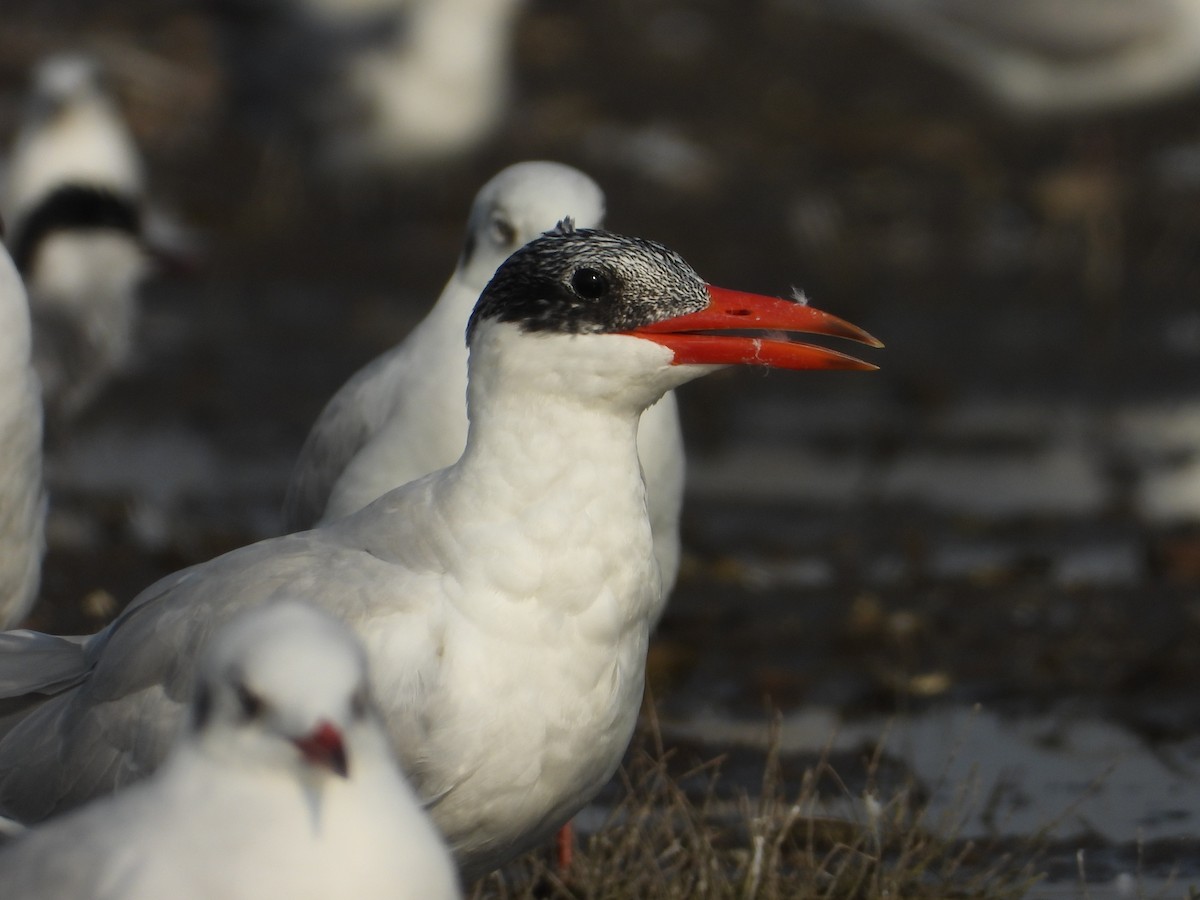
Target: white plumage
[372, 86]
[505, 602]
[282, 784]
[404, 414]
[437, 88]
[22, 500]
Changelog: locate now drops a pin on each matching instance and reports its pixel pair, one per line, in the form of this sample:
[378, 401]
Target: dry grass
[678, 834]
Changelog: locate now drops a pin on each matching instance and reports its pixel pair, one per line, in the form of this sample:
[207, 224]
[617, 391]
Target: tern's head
[63, 80]
[517, 205]
[615, 307]
[72, 134]
[283, 686]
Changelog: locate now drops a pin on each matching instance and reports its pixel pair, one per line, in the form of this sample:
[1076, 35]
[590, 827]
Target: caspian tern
[505, 602]
[22, 499]
[72, 198]
[281, 784]
[404, 415]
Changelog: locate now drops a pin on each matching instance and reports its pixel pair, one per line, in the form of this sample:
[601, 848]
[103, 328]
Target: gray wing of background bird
[35, 662]
[122, 703]
[345, 425]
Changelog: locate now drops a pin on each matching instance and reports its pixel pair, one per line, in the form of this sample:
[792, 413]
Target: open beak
[325, 748]
[737, 311]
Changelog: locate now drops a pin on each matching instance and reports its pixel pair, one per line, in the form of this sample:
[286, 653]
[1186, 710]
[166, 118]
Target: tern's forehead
[66, 75]
[587, 281]
[637, 258]
[289, 649]
[524, 201]
[544, 192]
[301, 662]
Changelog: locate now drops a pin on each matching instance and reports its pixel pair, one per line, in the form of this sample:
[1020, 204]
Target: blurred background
[1006, 514]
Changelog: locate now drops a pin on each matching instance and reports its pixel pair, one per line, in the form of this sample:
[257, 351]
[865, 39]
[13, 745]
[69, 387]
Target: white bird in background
[372, 85]
[281, 784]
[72, 197]
[404, 415]
[439, 87]
[1054, 57]
[22, 499]
[505, 602]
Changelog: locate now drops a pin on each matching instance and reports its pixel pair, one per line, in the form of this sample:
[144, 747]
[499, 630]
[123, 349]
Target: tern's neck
[547, 501]
[529, 446]
[551, 411]
[549, 504]
[552, 402]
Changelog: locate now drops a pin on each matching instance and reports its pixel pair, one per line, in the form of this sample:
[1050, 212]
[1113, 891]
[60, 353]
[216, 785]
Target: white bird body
[73, 191]
[439, 87]
[571, 672]
[404, 414]
[505, 602]
[1056, 57]
[526, 629]
[22, 499]
[373, 86]
[241, 815]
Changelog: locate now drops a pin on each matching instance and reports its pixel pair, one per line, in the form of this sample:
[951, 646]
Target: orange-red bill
[736, 310]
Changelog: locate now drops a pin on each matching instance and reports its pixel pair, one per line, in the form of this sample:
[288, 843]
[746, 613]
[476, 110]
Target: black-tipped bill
[324, 747]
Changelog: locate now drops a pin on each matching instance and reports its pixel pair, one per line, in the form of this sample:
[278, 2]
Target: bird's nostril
[739, 312]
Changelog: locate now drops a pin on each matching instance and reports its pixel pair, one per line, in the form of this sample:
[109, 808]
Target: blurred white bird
[372, 85]
[281, 784]
[22, 500]
[505, 602]
[72, 197]
[437, 89]
[1054, 57]
[404, 415]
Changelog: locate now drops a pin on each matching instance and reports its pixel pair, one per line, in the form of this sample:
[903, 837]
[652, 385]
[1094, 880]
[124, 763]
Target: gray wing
[118, 722]
[31, 662]
[345, 425]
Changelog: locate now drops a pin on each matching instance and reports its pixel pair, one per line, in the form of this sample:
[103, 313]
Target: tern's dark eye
[359, 703]
[201, 707]
[589, 284]
[503, 231]
[252, 704]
